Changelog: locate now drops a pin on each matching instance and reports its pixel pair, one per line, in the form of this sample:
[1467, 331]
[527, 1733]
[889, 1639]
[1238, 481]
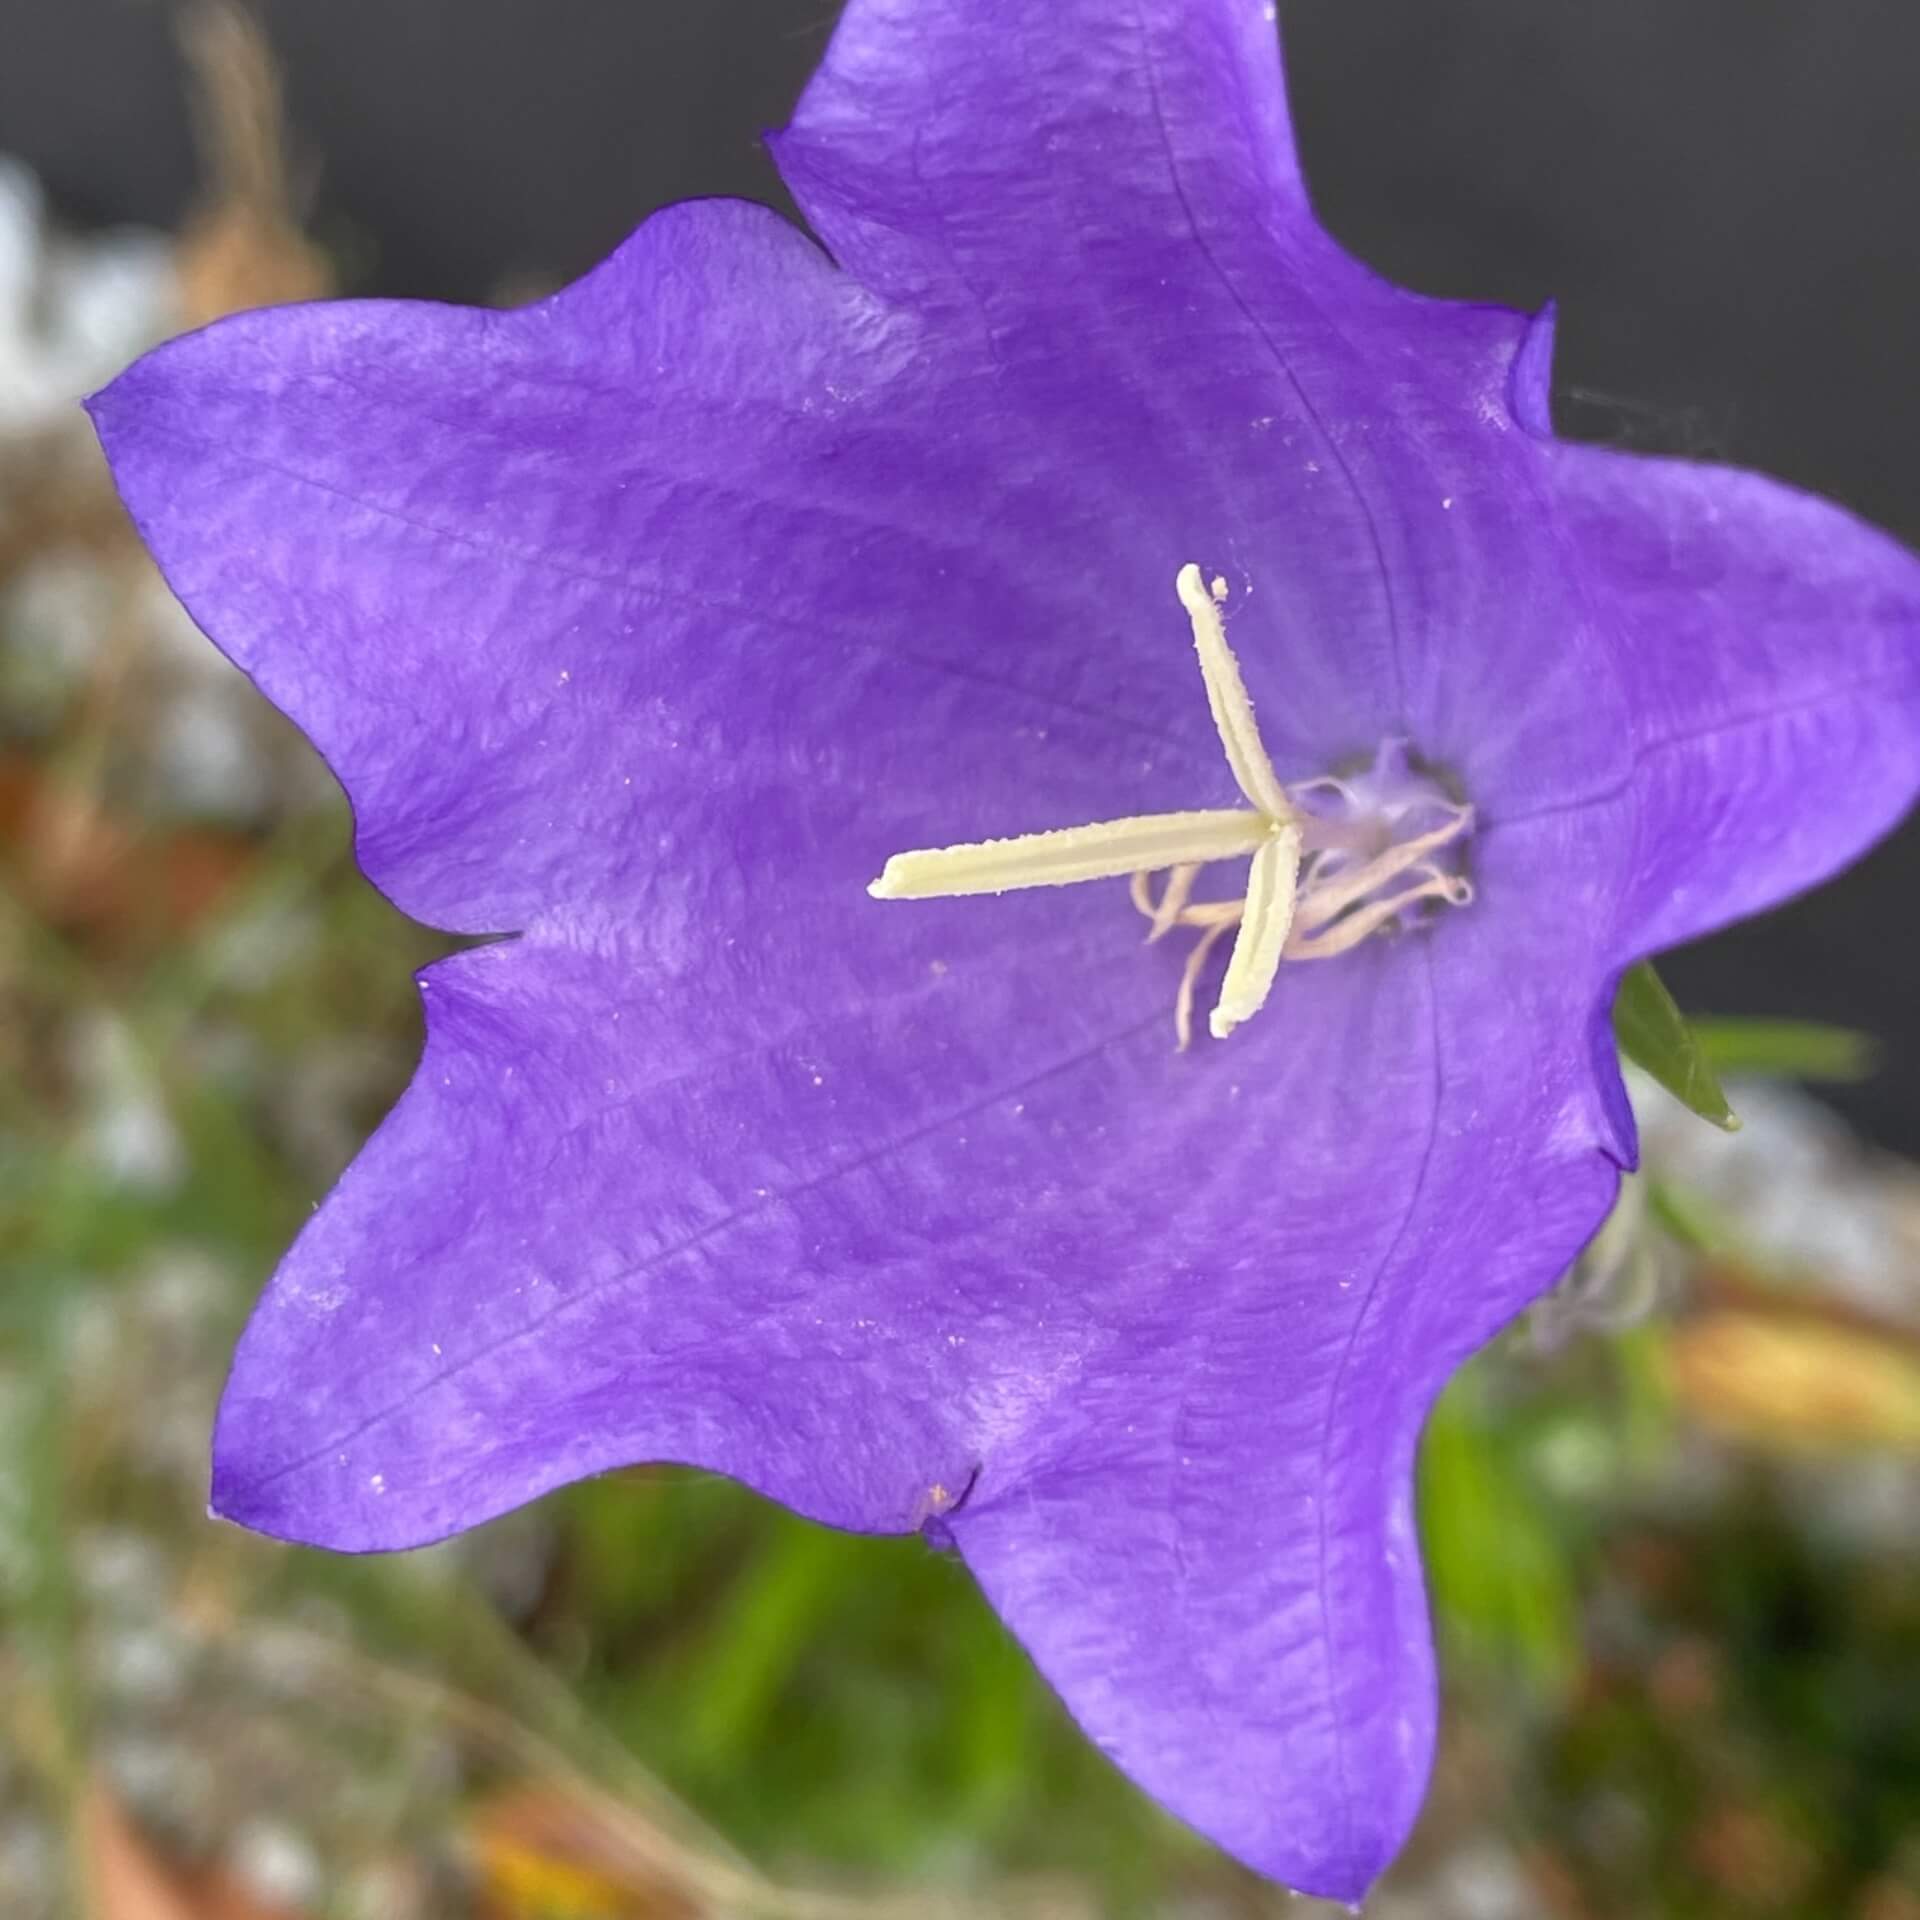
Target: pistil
[1359, 878]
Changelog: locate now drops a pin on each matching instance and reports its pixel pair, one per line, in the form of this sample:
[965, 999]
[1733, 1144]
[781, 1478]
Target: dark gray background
[1724, 195]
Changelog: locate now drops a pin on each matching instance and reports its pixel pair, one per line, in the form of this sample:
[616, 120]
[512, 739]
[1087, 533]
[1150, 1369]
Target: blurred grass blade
[1786, 1049]
[764, 1629]
[1658, 1038]
[1693, 1220]
[1503, 1593]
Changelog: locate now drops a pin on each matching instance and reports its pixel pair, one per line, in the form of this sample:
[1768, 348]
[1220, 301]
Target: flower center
[1333, 861]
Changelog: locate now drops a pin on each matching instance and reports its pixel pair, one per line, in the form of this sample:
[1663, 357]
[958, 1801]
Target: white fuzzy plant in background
[73, 311]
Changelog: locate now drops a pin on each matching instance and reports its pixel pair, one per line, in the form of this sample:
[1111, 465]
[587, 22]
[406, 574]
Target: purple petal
[1176, 1419]
[567, 1249]
[1768, 645]
[1107, 197]
[1211, 1552]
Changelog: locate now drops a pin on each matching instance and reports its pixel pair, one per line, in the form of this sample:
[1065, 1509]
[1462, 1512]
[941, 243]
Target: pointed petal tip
[1317, 1866]
[242, 1499]
[103, 396]
[104, 405]
[231, 1500]
[111, 397]
[1346, 1871]
[252, 1487]
[120, 410]
[1530, 383]
[1347, 1884]
[290, 1509]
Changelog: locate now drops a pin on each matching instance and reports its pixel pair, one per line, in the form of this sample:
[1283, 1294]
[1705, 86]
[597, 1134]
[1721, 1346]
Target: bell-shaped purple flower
[648, 624]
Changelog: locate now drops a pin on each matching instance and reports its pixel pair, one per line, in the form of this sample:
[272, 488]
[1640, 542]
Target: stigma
[1331, 862]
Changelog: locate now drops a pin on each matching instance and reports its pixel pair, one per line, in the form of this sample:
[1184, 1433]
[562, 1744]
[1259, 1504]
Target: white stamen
[1227, 696]
[1262, 939]
[1190, 975]
[1326, 902]
[1107, 850]
[1344, 935]
[1166, 916]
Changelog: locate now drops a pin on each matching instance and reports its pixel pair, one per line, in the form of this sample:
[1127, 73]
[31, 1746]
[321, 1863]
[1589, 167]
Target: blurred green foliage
[1785, 1049]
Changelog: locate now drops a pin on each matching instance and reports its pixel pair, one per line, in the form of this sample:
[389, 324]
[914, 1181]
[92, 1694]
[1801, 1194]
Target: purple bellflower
[651, 623]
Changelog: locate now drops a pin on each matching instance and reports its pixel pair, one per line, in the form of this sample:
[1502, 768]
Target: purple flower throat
[1335, 859]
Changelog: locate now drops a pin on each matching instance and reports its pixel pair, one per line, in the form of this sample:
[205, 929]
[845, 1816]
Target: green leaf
[1787, 1049]
[1658, 1038]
